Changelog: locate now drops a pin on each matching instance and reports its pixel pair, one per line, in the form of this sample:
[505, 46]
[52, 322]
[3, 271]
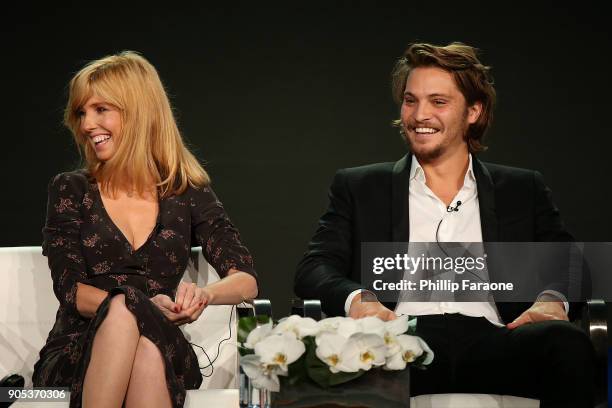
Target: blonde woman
[118, 235]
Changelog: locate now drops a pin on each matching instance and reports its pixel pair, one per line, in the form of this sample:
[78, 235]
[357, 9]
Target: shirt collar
[469, 174]
[417, 173]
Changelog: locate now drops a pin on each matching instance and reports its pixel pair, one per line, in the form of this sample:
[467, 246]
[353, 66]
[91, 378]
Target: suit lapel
[486, 201]
[400, 222]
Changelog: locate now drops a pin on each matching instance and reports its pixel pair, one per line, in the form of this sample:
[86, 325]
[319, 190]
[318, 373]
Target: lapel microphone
[450, 208]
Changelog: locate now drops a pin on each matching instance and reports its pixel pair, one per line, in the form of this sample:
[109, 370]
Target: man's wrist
[551, 298]
[359, 295]
[364, 296]
[367, 296]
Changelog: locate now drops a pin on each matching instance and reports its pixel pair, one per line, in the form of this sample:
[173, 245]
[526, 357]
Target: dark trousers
[552, 361]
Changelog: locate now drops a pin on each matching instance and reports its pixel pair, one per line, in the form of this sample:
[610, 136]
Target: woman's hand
[188, 296]
[174, 313]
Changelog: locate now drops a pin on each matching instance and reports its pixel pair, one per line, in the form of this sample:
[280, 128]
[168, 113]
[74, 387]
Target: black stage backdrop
[274, 99]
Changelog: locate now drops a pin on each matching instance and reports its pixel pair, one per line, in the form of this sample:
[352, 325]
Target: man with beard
[446, 99]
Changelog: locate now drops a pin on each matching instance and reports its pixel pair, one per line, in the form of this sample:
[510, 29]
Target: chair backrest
[28, 307]
[218, 322]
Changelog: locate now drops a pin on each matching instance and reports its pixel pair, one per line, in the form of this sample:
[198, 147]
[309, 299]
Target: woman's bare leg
[112, 357]
[148, 386]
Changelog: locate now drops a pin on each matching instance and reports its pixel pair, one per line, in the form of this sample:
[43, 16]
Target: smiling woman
[100, 122]
[121, 96]
[118, 235]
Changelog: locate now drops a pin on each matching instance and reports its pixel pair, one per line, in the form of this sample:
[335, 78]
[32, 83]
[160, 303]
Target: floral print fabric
[84, 245]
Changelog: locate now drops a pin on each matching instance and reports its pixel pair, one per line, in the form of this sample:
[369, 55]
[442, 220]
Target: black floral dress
[84, 245]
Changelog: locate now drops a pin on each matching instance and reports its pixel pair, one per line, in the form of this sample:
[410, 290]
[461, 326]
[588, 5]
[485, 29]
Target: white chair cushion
[471, 401]
[28, 310]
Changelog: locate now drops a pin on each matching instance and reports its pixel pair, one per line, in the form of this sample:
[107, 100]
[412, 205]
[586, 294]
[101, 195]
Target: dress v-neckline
[121, 233]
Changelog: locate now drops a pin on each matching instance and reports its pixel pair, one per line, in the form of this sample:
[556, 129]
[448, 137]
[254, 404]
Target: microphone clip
[450, 208]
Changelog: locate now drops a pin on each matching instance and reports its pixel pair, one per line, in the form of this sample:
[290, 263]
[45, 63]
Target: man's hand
[539, 312]
[362, 308]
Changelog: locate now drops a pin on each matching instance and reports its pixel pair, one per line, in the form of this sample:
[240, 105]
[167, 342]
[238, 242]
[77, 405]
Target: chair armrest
[13, 381]
[595, 324]
[255, 307]
[307, 308]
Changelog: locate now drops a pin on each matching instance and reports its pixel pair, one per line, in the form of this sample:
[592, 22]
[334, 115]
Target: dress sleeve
[61, 238]
[219, 238]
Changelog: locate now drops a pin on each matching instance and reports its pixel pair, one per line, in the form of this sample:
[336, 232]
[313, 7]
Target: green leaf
[297, 370]
[418, 362]
[247, 324]
[263, 319]
[245, 351]
[341, 378]
[412, 325]
[317, 370]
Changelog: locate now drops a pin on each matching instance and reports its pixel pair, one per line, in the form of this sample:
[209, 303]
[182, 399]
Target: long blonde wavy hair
[150, 149]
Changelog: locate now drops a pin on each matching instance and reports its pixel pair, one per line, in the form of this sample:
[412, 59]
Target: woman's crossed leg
[124, 365]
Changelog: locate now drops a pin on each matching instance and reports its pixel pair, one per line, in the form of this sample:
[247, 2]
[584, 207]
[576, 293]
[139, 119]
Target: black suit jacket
[370, 204]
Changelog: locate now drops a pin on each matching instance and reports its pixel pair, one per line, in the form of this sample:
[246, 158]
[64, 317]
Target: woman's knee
[149, 365]
[148, 352]
[117, 302]
[118, 311]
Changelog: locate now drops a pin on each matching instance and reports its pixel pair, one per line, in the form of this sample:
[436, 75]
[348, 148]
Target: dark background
[274, 99]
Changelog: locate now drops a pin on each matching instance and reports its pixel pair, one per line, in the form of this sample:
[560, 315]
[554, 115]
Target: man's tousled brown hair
[472, 78]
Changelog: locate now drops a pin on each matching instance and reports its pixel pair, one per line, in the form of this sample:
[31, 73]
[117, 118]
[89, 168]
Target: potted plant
[337, 361]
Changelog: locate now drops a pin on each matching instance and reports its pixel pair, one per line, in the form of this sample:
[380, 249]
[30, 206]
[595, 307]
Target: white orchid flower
[330, 347]
[410, 348]
[362, 351]
[257, 334]
[430, 354]
[344, 326]
[330, 324]
[397, 326]
[262, 376]
[299, 326]
[372, 325]
[392, 329]
[280, 349]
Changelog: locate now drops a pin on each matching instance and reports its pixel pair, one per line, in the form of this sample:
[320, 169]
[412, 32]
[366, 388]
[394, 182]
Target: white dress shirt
[425, 212]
